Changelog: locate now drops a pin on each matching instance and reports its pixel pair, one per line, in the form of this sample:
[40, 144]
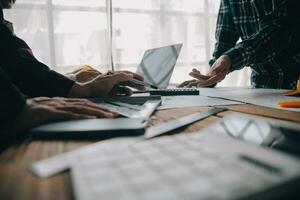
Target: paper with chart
[56, 164]
[261, 97]
[169, 102]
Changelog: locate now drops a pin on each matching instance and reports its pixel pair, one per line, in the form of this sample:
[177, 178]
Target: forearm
[257, 49]
[36, 79]
[32, 77]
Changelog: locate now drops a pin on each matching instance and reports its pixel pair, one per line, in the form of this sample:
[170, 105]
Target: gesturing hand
[216, 74]
[43, 109]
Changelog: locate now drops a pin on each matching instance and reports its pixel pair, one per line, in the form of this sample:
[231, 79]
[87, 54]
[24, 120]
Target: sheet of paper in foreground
[56, 164]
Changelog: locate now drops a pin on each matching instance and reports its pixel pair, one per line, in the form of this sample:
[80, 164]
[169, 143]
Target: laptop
[157, 67]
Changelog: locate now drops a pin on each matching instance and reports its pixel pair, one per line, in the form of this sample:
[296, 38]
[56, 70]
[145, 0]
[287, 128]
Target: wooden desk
[17, 183]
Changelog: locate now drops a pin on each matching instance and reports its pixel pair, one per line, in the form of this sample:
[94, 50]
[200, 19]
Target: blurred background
[66, 34]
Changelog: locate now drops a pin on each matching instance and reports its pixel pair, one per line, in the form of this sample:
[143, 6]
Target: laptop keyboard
[178, 167]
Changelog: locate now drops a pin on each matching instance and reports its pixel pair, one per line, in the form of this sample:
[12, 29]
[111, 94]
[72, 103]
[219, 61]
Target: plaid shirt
[270, 40]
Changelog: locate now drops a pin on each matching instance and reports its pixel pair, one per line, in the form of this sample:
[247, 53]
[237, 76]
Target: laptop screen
[158, 64]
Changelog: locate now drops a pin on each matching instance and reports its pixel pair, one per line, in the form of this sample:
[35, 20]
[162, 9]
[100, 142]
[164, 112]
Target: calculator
[175, 91]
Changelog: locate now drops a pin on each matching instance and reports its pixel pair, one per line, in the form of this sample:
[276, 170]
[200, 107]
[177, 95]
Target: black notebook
[90, 129]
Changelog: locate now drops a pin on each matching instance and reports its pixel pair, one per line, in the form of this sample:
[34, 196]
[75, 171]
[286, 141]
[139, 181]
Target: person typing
[33, 94]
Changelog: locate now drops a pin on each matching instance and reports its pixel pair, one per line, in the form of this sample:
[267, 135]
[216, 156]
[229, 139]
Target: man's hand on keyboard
[107, 85]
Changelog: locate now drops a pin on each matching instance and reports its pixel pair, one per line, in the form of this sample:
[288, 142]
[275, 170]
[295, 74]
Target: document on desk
[59, 163]
[169, 102]
[261, 97]
[199, 165]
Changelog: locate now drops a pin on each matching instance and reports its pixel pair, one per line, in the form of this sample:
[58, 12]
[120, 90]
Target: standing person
[270, 33]
[32, 94]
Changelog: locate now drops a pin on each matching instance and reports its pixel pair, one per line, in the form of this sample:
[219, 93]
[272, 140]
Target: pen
[289, 104]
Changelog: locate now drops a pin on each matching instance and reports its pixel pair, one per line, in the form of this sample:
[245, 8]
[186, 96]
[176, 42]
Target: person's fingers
[192, 84]
[71, 100]
[75, 71]
[41, 99]
[182, 84]
[58, 115]
[115, 79]
[199, 76]
[64, 101]
[121, 91]
[89, 68]
[135, 75]
[82, 110]
[125, 90]
[195, 70]
[87, 73]
[87, 103]
[185, 83]
[134, 85]
[213, 80]
[53, 102]
[60, 102]
[90, 105]
[84, 76]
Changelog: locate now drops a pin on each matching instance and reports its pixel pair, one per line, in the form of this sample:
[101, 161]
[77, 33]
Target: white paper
[56, 164]
[262, 97]
[193, 101]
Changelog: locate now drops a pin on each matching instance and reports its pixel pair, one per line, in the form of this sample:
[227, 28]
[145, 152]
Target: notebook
[134, 114]
[90, 129]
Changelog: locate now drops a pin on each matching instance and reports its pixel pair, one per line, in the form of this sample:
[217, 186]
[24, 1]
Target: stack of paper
[261, 97]
[169, 102]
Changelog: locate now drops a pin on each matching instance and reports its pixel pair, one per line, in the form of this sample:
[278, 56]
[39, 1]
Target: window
[68, 33]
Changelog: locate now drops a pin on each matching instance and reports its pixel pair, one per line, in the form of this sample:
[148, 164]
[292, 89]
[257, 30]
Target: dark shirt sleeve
[226, 34]
[12, 102]
[32, 77]
[275, 35]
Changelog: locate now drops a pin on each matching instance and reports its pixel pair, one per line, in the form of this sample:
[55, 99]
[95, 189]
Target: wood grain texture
[17, 183]
[266, 112]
